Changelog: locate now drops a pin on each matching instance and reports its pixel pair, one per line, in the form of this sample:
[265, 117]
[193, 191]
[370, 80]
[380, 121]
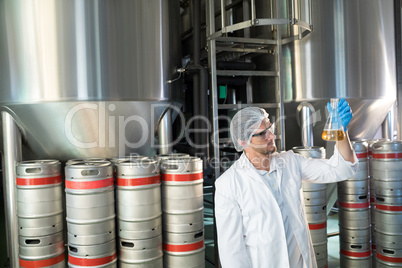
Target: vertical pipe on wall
[306, 124]
[398, 52]
[389, 126]
[165, 133]
[11, 155]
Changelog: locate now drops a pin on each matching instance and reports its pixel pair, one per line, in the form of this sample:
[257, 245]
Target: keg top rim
[81, 164]
[387, 146]
[129, 157]
[135, 162]
[31, 163]
[181, 160]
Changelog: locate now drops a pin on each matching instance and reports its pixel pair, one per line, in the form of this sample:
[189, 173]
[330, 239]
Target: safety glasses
[271, 129]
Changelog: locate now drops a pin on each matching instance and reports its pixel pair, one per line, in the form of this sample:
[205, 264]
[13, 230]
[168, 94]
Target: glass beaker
[333, 130]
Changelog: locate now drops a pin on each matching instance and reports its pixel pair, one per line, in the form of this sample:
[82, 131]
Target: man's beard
[266, 149]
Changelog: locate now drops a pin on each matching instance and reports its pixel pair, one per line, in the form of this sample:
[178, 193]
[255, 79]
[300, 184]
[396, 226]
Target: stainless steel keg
[141, 253]
[184, 249]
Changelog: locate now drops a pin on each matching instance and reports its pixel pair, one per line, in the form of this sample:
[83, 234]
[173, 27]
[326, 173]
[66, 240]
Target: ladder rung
[245, 73]
[243, 105]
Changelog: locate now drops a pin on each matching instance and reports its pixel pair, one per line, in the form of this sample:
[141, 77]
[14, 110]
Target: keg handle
[33, 170]
[127, 244]
[73, 249]
[90, 172]
[377, 147]
[32, 241]
[197, 235]
[171, 167]
[387, 251]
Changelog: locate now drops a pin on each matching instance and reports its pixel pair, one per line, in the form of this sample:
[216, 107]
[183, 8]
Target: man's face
[263, 141]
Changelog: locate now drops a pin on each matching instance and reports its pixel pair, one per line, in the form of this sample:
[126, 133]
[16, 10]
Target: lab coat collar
[245, 163]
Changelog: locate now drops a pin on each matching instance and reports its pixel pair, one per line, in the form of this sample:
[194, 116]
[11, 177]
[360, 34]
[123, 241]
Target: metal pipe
[253, 15]
[165, 133]
[398, 54]
[12, 153]
[196, 62]
[389, 126]
[279, 94]
[223, 15]
[210, 20]
[306, 124]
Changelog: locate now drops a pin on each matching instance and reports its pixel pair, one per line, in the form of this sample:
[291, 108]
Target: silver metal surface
[104, 129]
[11, 155]
[389, 126]
[165, 136]
[210, 21]
[92, 251]
[90, 50]
[183, 222]
[139, 229]
[354, 235]
[336, 60]
[306, 119]
[117, 51]
[40, 226]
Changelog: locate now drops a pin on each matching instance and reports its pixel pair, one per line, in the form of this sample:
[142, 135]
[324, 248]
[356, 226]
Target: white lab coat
[248, 219]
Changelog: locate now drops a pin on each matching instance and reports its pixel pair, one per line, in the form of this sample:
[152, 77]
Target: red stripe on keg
[89, 184]
[39, 181]
[362, 155]
[370, 153]
[389, 208]
[183, 248]
[42, 263]
[91, 262]
[356, 254]
[138, 181]
[389, 259]
[354, 205]
[387, 155]
[182, 177]
[317, 226]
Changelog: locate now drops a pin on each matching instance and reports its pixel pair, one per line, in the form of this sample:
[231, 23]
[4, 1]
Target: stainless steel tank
[349, 54]
[88, 78]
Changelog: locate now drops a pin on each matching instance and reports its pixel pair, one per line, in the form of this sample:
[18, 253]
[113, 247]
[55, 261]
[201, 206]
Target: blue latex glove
[345, 112]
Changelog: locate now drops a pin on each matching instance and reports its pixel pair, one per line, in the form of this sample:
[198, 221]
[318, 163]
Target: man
[259, 207]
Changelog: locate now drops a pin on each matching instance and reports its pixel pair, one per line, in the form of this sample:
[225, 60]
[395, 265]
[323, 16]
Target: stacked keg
[387, 176]
[90, 213]
[372, 201]
[139, 213]
[182, 206]
[40, 214]
[354, 214]
[315, 201]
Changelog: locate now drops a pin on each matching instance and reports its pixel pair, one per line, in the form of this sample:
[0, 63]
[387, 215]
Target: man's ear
[243, 144]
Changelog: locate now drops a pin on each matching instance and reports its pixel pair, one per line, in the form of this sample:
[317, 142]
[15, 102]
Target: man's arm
[345, 148]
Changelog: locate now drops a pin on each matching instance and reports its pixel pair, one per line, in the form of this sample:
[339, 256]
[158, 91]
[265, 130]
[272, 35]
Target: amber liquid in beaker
[333, 135]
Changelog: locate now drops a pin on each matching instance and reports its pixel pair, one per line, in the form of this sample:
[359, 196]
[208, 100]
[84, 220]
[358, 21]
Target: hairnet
[244, 124]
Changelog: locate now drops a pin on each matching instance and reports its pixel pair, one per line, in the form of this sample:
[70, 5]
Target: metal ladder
[219, 41]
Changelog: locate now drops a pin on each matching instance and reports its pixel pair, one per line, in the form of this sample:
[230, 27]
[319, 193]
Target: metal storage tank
[88, 78]
[82, 79]
[351, 54]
